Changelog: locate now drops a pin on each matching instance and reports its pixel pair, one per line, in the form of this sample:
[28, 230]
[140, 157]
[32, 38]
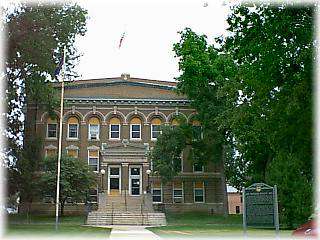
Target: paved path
[131, 232]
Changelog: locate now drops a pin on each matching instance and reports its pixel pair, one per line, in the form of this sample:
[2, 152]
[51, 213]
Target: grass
[191, 225]
[20, 225]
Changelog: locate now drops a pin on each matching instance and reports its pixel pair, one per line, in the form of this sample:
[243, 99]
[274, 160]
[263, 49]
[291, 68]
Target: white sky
[151, 29]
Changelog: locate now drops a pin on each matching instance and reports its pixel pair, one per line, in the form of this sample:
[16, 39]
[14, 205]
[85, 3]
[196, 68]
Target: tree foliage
[36, 36]
[253, 90]
[76, 179]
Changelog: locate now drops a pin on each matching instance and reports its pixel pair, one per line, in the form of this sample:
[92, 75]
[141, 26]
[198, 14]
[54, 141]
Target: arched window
[135, 129]
[52, 128]
[155, 128]
[94, 128]
[114, 129]
[73, 128]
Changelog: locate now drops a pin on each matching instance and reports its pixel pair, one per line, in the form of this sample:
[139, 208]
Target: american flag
[121, 39]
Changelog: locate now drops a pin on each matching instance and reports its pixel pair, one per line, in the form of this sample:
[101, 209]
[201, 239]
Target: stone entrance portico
[125, 166]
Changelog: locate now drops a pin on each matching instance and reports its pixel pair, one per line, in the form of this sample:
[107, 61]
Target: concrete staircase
[126, 210]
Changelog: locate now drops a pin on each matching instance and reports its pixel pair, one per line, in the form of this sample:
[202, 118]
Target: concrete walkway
[131, 232]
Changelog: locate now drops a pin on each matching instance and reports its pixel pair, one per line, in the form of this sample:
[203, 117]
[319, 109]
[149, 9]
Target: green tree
[36, 35]
[35, 38]
[254, 87]
[76, 179]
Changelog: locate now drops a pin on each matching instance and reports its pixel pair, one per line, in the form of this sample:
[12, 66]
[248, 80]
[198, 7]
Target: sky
[151, 28]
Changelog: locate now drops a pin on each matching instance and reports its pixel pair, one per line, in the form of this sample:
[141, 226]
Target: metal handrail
[141, 214]
[112, 213]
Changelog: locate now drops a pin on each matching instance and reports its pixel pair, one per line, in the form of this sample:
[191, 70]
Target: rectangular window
[177, 192]
[93, 160]
[156, 192]
[52, 130]
[135, 131]
[73, 131]
[198, 167]
[198, 192]
[93, 195]
[237, 209]
[155, 131]
[114, 131]
[93, 132]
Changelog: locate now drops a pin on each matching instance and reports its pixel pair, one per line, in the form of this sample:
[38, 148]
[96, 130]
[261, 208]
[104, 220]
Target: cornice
[126, 101]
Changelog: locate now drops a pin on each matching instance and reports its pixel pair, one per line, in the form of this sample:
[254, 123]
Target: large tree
[75, 182]
[36, 35]
[254, 87]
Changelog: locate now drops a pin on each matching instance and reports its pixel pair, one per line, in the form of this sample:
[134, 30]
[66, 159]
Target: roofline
[136, 78]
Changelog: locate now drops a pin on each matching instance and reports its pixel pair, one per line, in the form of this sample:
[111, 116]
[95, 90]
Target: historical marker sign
[260, 206]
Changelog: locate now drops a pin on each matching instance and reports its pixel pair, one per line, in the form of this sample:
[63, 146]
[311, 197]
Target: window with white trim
[114, 129]
[94, 128]
[52, 130]
[135, 129]
[198, 192]
[73, 128]
[155, 128]
[156, 192]
[177, 192]
[93, 160]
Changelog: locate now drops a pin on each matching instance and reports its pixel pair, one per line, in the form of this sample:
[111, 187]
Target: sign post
[260, 207]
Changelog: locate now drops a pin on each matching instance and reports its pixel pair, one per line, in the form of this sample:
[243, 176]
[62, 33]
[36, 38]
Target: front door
[135, 180]
[114, 180]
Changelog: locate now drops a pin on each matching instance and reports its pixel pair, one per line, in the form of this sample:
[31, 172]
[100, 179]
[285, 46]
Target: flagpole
[60, 138]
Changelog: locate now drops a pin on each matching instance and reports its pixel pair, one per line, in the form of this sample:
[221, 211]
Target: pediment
[125, 147]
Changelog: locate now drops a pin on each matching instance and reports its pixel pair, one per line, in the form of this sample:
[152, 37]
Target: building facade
[112, 124]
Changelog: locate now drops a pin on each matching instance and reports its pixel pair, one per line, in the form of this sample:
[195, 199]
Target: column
[125, 178]
[145, 167]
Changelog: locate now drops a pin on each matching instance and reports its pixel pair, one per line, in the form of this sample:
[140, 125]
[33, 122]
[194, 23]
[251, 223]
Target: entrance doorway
[135, 180]
[114, 180]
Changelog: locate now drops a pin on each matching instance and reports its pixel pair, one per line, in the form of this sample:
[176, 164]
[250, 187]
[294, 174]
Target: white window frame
[182, 196]
[98, 162]
[194, 192]
[198, 171]
[69, 131]
[114, 176]
[89, 134]
[110, 131]
[135, 139]
[152, 138]
[56, 131]
[161, 193]
[135, 177]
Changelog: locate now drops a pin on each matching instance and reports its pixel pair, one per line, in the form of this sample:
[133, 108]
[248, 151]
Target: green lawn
[19, 225]
[191, 225]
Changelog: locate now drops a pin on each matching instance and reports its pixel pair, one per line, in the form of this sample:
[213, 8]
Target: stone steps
[126, 218]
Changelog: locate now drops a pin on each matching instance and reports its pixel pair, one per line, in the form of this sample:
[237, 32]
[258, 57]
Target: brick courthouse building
[111, 124]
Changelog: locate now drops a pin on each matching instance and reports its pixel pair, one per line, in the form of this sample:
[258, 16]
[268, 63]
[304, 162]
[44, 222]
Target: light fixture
[148, 171]
[102, 171]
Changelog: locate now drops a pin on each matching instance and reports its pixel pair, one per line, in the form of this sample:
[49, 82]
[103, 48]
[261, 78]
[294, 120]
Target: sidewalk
[131, 232]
